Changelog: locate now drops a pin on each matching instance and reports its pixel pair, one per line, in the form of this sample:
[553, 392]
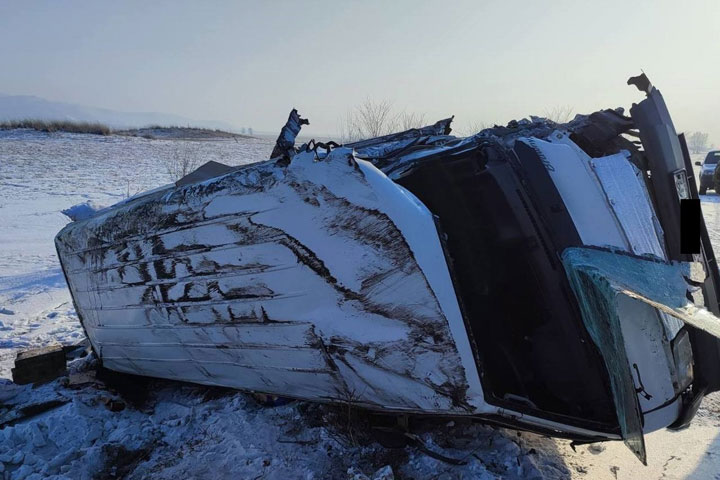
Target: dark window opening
[534, 354]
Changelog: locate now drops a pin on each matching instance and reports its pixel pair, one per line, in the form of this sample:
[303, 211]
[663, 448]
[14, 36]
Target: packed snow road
[179, 430]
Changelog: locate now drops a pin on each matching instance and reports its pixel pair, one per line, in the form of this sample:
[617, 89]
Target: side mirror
[698, 164]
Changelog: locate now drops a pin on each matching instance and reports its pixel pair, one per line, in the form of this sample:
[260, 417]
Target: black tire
[703, 190]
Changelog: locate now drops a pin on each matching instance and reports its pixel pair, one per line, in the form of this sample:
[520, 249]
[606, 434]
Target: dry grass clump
[58, 126]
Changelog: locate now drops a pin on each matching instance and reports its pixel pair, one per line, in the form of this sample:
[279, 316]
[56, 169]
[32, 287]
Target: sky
[249, 62]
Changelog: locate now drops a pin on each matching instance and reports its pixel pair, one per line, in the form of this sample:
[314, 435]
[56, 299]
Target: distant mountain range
[22, 107]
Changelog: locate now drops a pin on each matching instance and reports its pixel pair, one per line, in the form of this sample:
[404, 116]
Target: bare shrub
[471, 128]
[406, 120]
[181, 161]
[560, 113]
[374, 118]
[698, 142]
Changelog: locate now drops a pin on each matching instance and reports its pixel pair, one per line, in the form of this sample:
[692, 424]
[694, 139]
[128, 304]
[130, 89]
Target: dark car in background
[708, 171]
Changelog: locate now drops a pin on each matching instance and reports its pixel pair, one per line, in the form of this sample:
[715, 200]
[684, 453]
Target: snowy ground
[43, 174]
[106, 428]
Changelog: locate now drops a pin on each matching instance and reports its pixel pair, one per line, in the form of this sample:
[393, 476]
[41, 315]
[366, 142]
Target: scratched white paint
[321, 280]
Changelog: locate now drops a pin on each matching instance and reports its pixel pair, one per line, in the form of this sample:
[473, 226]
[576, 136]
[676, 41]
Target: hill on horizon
[24, 107]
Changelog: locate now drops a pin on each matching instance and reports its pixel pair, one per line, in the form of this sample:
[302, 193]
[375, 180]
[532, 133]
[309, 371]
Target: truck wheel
[703, 190]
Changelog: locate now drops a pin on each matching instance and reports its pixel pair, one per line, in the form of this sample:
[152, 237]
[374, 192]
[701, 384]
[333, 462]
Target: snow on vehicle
[532, 275]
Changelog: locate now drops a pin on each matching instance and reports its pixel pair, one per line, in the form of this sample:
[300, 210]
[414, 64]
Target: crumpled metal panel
[628, 198]
[399, 162]
[441, 127]
[285, 144]
[321, 280]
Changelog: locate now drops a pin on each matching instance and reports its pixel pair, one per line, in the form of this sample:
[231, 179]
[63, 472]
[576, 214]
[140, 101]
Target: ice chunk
[81, 211]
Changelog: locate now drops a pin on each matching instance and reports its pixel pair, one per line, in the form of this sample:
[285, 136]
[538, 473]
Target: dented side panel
[321, 280]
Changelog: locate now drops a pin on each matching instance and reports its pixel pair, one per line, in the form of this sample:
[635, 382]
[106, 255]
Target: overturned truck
[554, 278]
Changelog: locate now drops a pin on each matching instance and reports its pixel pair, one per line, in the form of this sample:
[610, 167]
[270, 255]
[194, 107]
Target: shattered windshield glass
[598, 277]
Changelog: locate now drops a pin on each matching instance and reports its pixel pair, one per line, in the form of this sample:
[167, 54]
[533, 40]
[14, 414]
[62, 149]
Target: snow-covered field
[43, 174]
[178, 430]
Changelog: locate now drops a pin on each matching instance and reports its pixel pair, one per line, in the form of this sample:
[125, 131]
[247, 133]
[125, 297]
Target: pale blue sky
[249, 62]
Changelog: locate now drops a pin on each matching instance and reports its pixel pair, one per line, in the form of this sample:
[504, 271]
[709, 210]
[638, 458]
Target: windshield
[712, 158]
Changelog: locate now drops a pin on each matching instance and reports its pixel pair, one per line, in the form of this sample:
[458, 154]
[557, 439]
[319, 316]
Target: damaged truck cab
[531, 275]
[529, 221]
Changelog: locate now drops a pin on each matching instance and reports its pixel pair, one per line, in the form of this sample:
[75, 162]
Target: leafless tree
[374, 118]
[406, 121]
[181, 161]
[698, 141]
[471, 128]
[560, 113]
